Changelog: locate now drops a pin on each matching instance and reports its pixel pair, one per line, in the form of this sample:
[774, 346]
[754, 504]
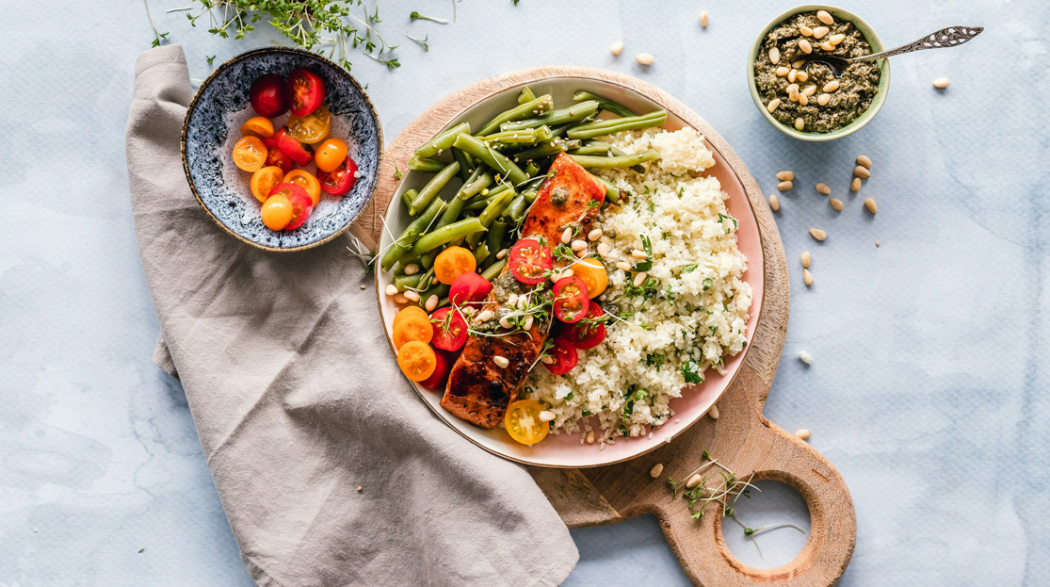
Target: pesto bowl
[865, 117]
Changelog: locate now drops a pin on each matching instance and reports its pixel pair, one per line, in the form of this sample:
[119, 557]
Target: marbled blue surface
[929, 386]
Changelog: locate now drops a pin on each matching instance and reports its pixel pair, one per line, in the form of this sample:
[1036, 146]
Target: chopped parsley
[691, 372]
[708, 283]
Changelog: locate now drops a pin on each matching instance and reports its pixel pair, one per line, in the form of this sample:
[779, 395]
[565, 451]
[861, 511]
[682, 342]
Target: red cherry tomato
[467, 288]
[340, 181]
[302, 204]
[570, 299]
[306, 92]
[564, 355]
[276, 157]
[269, 95]
[530, 261]
[300, 153]
[436, 382]
[450, 329]
[587, 334]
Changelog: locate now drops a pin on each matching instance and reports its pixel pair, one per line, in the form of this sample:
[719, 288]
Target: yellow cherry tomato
[523, 422]
[307, 181]
[453, 262]
[277, 212]
[264, 180]
[408, 311]
[330, 155]
[312, 128]
[258, 126]
[415, 327]
[417, 360]
[593, 274]
[249, 154]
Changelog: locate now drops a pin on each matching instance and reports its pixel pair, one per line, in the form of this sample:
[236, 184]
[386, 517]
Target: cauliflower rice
[689, 314]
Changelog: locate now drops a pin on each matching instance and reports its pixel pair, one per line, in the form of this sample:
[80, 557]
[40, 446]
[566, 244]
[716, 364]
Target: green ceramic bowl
[876, 46]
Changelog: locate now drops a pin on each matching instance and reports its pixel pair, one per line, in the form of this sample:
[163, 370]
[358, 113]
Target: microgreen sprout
[157, 35]
[422, 42]
[417, 16]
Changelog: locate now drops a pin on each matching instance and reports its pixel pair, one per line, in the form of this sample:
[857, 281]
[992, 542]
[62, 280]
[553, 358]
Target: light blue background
[929, 385]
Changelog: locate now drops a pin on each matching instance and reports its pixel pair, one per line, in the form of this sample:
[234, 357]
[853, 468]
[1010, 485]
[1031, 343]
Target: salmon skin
[478, 390]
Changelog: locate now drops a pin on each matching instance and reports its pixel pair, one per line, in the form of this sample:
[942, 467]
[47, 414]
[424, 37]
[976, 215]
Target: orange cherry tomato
[330, 155]
[417, 360]
[307, 181]
[264, 180]
[414, 327]
[408, 311]
[312, 128]
[453, 262]
[249, 154]
[258, 126]
[277, 212]
[523, 422]
[593, 274]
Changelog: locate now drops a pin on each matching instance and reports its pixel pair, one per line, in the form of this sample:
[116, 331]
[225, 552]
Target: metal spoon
[949, 37]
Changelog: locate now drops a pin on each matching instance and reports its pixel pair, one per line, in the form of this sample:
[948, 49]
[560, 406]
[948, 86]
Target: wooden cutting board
[741, 438]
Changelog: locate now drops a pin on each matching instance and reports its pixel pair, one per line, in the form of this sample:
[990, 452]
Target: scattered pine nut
[864, 160]
[774, 203]
[704, 19]
[623, 266]
[656, 470]
[639, 278]
[820, 31]
[818, 234]
[774, 55]
[566, 236]
[824, 189]
[411, 296]
[823, 99]
[604, 249]
[855, 186]
[871, 205]
[693, 481]
[786, 175]
[363, 286]
[502, 363]
[837, 39]
[713, 412]
[400, 299]
[783, 71]
[411, 269]
[644, 58]
[836, 204]
[546, 416]
[432, 302]
[502, 253]
[861, 172]
[805, 46]
[806, 259]
[806, 31]
[792, 75]
[594, 234]
[825, 17]
[803, 434]
[807, 277]
[798, 64]
[590, 437]
[805, 357]
[360, 489]
[639, 254]
[801, 75]
[617, 48]
[527, 325]
[791, 89]
[799, 123]
[831, 86]
[547, 360]
[579, 245]
[785, 185]
[773, 104]
[878, 244]
[485, 316]
[391, 290]
[827, 46]
[803, 99]
[940, 83]
[809, 90]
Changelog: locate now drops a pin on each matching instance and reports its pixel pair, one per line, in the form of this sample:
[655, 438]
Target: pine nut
[774, 203]
[806, 259]
[809, 90]
[644, 58]
[818, 234]
[503, 253]
[400, 299]
[803, 434]
[527, 325]
[783, 71]
[594, 234]
[566, 273]
[485, 316]
[823, 99]
[827, 46]
[713, 412]
[579, 245]
[825, 17]
[391, 290]
[940, 83]
[704, 19]
[639, 278]
[820, 31]
[773, 104]
[878, 244]
[836, 204]
[861, 172]
[505, 322]
[411, 269]
[639, 254]
[604, 249]
[805, 46]
[693, 481]
[786, 175]
[799, 123]
[432, 302]
[864, 160]
[792, 88]
[502, 363]
[837, 39]
[793, 96]
[855, 185]
[623, 266]
[805, 357]
[546, 416]
[411, 296]
[871, 205]
[590, 437]
[803, 100]
[656, 470]
[785, 185]
[774, 55]
[566, 236]
[806, 31]
[801, 75]
[831, 86]
[512, 300]
[798, 64]
[547, 360]
[617, 48]
[824, 189]
[792, 76]
[807, 277]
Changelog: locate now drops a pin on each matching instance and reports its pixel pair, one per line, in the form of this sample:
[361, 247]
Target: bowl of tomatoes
[282, 148]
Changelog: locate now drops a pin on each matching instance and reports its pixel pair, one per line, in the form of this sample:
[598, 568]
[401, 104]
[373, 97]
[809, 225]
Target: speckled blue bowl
[213, 122]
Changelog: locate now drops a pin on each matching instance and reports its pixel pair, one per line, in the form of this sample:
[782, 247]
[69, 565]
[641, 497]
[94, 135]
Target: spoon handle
[950, 37]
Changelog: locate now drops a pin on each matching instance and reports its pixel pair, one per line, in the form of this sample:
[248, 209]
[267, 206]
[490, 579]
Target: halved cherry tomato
[530, 261]
[467, 288]
[269, 95]
[257, 126]
[453, 262]
[277, 212]
[301, 203]
[263, 181]
[450, 329]
[307, 181]
[306, 92]
[340, 181]
[330, 154]
[589, 332]
[300, 153]
[437, 379]
[249, 154]
[593, 273]
[276, 157]
[408, 311]
[413, 327]
[312, 128]
[564, 355]
[570, 299]
[523, 422]
[417, 360]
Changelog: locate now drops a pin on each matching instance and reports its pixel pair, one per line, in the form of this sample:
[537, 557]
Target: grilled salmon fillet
[478, 390]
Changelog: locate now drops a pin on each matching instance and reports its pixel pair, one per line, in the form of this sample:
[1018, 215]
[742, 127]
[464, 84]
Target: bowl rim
[295, 51]
[876, 45]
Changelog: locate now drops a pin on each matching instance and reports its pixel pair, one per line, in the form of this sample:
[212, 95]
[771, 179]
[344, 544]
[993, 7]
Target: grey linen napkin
[298, 400]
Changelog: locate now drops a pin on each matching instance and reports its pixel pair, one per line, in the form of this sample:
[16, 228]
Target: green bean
[547, 149]
[614, 125]
[486, 195]
[499, 162]
[530, 195]
[494, 270]
[466, 164]
[406, 281]
[532, 169]
[527, 136]
[426, 279]
[492, 211]
[442, 140]
[404, 242]
[592, 161]
[478, 181]
[452, 211]
[591, 150]
[603, 103]
[432, 240]
[408, 196]
[433, 188]
[612, 193]
[529, 108]
[481, 252]
[436, 289]
[526, 95]
[425, 165]
[555, 117]
[494, 239]
[515, 210]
